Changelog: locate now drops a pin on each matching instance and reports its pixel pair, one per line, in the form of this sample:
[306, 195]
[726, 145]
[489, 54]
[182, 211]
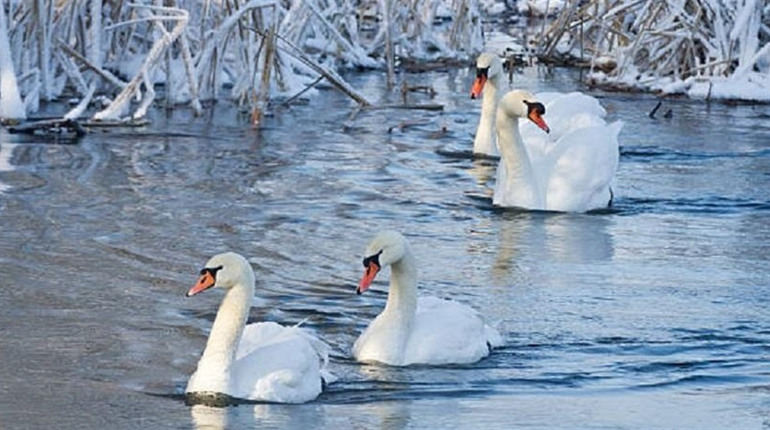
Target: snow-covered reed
[11, 105]
[117, 53]
[705, 48]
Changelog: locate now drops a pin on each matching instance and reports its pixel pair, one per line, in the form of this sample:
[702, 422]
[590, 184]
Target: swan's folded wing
[446, 332]
[585, 161]
[322, 350]
[276, 363]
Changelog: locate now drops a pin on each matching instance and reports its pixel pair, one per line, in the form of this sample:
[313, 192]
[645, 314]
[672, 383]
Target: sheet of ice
[502, 44]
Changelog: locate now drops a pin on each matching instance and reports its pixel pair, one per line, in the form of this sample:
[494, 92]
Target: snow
[493, 7]
[540, 7]
[753, 87]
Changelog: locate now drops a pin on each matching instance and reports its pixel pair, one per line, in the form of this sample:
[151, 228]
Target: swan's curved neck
[484, 143]
[517, 164]
[226, 333]
[402, 294]
[491, 96]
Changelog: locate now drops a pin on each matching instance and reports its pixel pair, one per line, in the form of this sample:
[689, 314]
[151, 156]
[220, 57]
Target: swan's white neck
[484, 143]
[519, 172]
[401, 307]
[213, 374]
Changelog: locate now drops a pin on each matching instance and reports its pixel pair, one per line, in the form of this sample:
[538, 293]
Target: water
[651, 315]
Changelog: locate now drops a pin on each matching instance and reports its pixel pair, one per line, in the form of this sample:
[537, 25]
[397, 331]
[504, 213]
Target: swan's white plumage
[490, 90]
[262, 361]
[568, 170]
[424, 330]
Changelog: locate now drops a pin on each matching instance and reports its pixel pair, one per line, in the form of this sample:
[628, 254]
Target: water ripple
[651, 154]
[703, 205]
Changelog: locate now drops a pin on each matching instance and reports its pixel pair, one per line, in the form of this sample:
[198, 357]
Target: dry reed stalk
[390, 55]
[105, 74]
[264, 91]
[329, 75]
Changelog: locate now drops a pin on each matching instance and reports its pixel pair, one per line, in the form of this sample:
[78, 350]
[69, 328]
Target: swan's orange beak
[535, 117]
[478, 85]
[369, 274]
[205, 282]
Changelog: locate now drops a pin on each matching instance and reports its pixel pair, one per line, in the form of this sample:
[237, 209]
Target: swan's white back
[449, 332]
[583, 171]
[272, 363]
[277, 363]
[443, 332]
[564, 114]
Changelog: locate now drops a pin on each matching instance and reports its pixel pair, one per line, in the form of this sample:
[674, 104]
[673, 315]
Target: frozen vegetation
[713, 49]
[112, 56]
[108, 58]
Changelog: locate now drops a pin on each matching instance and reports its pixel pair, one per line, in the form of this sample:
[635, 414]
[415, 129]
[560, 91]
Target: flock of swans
[566, 166]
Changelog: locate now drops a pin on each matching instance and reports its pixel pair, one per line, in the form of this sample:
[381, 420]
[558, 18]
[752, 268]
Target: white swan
[569, 171]
[408, 331]
[488, 83]
[263, 361]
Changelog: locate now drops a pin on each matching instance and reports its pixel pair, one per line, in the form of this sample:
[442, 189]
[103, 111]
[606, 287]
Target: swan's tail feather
[321, 348]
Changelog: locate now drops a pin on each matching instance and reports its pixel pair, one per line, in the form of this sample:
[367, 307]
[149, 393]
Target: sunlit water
[654, 314]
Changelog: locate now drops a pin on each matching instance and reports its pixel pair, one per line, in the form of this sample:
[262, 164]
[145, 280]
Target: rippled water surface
[655, 314]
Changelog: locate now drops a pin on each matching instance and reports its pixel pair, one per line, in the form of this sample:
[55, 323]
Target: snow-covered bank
[112, 56]
[716, 49]
[752, 87]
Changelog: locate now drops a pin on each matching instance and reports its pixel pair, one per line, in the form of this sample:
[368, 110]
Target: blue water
[653, 314]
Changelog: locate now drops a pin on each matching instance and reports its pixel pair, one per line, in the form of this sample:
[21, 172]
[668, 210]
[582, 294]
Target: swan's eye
[535, 106]
[211, 270]
[373, 259]
[481, 71]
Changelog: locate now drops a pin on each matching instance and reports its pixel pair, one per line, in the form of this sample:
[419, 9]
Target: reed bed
[649, 43]
[115, 54]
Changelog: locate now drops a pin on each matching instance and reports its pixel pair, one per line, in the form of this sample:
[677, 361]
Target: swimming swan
[262, 361]
[409, 330]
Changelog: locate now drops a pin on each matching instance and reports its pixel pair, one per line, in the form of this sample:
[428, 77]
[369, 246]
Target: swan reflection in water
[208, 417]
[483, 171]
[556, 237]
[272, 415]
[388, 408]
[6, 152]
[388, 415]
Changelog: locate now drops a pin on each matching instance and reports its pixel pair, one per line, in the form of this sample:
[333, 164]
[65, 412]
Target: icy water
[655, 314]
